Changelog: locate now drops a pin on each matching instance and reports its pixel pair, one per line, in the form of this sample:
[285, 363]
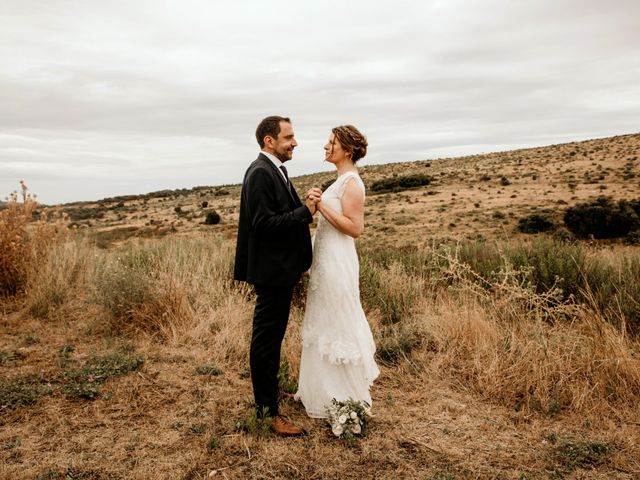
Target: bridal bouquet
[348, 418]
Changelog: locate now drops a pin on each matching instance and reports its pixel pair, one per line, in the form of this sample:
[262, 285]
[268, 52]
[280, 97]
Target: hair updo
[352, 141]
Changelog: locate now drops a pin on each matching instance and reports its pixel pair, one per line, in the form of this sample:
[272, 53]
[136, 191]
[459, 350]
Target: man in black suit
[272, 252]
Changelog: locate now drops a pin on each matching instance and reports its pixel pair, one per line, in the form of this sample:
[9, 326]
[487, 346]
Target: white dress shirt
[277, 162]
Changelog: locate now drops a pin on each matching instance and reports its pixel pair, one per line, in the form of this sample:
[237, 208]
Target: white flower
[342, 419]
[353, 415]
[337, 430]
[356, 429]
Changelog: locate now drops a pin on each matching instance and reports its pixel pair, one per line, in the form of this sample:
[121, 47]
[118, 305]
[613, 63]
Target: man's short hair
[269, 126]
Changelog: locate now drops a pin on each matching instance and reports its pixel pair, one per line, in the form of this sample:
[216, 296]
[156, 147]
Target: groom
[272, 252]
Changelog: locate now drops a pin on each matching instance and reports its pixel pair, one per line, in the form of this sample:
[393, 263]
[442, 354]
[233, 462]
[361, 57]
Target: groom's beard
[284, 155]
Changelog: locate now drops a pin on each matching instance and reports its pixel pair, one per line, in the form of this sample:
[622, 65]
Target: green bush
[553, 264]
[125, 285]
[399, 183]
[603, 218]
[24, 390]
[212, 218]
[535, 223]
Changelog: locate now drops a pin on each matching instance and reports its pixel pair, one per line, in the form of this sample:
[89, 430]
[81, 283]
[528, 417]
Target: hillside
[477, 196]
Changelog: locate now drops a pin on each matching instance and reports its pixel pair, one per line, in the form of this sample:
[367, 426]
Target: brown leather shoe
[284, 427]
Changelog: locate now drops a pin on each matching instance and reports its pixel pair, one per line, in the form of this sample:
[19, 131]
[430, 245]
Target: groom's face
[282, 147]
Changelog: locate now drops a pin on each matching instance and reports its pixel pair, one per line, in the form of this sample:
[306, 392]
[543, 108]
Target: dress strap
[344, 179]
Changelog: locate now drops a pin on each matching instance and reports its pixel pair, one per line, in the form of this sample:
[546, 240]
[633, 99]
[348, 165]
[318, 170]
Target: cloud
[99, 99]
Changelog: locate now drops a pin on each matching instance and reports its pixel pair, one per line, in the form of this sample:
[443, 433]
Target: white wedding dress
[337, 345]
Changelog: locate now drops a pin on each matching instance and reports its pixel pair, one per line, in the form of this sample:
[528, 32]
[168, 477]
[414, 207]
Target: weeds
[85, 381]
[24, 390]
[11, 357]
[285, 382]
[256, 425]
[396, 342]
[569, 456]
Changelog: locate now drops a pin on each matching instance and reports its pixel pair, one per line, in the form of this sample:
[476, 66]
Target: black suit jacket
[274, 244]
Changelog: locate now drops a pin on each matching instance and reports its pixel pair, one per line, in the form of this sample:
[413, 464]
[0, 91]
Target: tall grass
[174, 289]
[540, 326]
[59, 280]
[25, 242]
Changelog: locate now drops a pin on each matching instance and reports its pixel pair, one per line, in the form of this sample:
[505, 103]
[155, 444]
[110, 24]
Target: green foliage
[553, 264]
[23, 390]
[535, 223]
[8, 357]
[603, 218]
[214, 442]
[259, 425]
[581, 454]
[12, 443]
[285, 382]
[85, 381]
[633, 238]
[400, 183]
[126, 283]
[543, 264]
[327, 184]
[395, 343]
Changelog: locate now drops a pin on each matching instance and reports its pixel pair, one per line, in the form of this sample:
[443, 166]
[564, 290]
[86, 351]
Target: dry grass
[24, 243]
[466, 369]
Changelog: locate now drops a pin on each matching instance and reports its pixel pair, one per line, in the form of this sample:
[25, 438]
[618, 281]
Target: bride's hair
[351, 140]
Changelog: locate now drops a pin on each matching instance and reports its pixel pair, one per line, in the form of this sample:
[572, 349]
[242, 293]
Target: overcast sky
[104, 98]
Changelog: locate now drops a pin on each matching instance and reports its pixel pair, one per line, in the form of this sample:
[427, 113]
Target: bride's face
[333, 151]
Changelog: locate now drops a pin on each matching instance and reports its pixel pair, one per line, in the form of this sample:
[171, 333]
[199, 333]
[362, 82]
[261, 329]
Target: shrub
[212, 218]
[535, 223]
[24, 242]
[396, 342]
[581, 454]
[552, 264]
[399, 183]
[603, 218]
[327, 184]
[23, 390]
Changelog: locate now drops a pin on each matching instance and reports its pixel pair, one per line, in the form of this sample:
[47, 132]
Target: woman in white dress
[337, 345]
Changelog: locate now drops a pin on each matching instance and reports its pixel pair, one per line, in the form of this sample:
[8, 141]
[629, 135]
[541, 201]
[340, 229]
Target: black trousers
[270, 319]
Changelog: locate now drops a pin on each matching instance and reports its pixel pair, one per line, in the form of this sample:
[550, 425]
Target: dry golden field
[504, 355]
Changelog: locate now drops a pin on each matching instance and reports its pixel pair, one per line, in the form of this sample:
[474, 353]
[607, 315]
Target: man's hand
[312, 197]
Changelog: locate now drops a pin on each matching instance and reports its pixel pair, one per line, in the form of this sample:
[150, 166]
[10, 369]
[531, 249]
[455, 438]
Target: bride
[337, 345]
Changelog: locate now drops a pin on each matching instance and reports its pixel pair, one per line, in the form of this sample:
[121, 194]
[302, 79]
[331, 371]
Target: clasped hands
[312, 198]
